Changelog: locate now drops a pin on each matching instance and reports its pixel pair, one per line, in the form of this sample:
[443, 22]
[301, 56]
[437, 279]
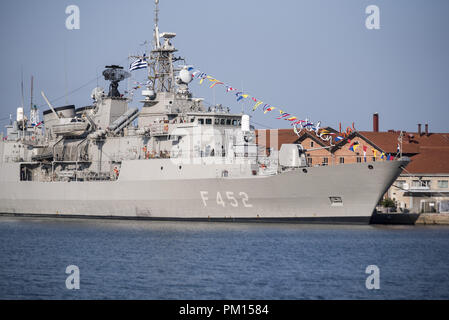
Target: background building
[422, 187]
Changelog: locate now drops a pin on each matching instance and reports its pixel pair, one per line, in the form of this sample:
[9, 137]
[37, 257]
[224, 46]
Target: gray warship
[172, 159]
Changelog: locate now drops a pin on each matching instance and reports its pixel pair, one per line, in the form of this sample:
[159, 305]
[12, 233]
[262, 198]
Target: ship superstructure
[174, 158]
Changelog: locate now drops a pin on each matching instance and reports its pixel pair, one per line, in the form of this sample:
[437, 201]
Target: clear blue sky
[313, 58]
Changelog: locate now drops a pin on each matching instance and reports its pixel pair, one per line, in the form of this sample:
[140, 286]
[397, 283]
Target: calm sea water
[176, 260]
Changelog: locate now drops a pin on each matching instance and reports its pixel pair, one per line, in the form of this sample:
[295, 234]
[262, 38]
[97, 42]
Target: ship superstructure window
[336, 201]
[208, 121]
[222, 122]
[235, 122]
[217, 121]
[228, 122]
[342, 160]
[443, 184]
[200, 121]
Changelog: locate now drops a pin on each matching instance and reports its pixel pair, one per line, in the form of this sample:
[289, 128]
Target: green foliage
[388, 203]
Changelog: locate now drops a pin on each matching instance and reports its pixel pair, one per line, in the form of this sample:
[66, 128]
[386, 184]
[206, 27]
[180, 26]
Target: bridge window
[234, 122]
[222, 122]
[228, 122]
[208, 121]
[201, 121]
[217, 121]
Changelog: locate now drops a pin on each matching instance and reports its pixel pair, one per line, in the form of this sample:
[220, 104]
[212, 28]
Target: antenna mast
[157, 44]
[160, 65]
[21, 86]
[34, 113]
[31, 97]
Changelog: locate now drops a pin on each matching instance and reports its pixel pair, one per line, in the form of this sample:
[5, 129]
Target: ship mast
[160, 65]
[156, 43]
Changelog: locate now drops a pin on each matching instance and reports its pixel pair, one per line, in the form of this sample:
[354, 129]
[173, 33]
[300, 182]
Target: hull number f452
[228, 198]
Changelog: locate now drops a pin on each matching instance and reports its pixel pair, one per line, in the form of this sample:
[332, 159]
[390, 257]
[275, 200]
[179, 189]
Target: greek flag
[139, 64]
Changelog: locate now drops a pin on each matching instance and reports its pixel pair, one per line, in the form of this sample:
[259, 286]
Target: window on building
[421, 184]
[311, 144]
[208, 121]
[309, 161]
[342, 160]
[325, 161]
[374, 159]
[359, 159]
[400, 183]
[443, 184]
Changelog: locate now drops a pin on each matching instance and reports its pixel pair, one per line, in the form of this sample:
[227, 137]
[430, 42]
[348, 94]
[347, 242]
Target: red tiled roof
[411, 141]
[430, 161]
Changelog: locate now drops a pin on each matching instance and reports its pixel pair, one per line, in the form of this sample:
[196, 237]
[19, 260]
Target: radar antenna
[115, 74]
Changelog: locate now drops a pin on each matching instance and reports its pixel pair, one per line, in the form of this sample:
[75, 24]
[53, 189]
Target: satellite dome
[185, 76]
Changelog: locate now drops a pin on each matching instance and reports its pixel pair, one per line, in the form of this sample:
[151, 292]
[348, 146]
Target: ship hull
[293, 196]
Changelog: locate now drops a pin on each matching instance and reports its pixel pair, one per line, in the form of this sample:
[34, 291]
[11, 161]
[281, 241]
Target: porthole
[162, 168]
[370, 167]
[304, 170]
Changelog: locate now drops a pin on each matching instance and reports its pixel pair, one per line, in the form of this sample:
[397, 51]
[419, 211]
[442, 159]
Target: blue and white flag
[139, 64]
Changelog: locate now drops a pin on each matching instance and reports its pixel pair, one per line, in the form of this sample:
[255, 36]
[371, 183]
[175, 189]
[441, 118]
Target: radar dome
[185, 76]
